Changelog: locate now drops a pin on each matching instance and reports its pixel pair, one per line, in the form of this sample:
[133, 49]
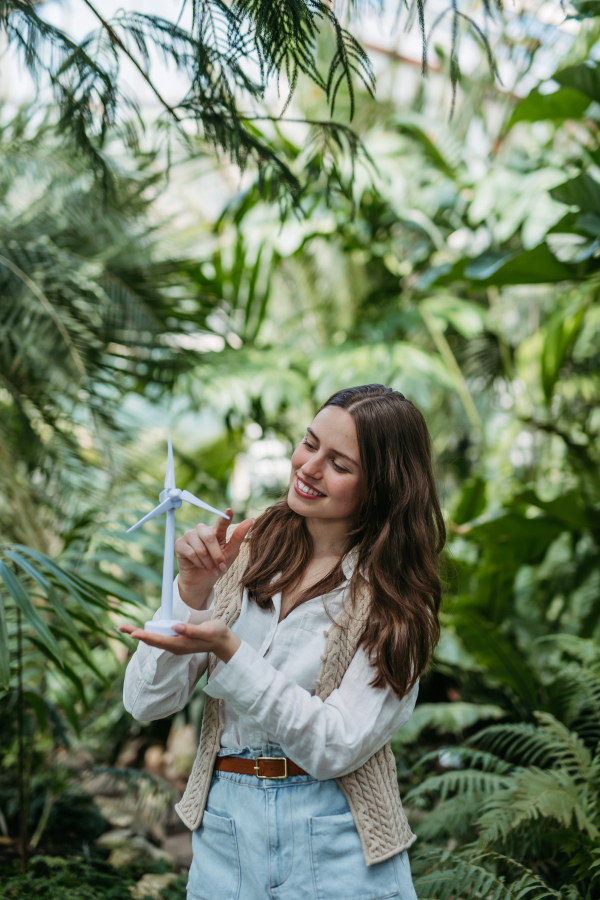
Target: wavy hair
[399, 534]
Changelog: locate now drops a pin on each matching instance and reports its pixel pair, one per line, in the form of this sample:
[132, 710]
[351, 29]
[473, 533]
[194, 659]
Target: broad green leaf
[567, 507]
[486, 265]
[511, 539]
[582, 191]
[492, 649]
[561, 333]
[586, 9]
[562, 104]
[472, 501]
[584, 78]
[536, 266]
[4, 649]
[21, 598]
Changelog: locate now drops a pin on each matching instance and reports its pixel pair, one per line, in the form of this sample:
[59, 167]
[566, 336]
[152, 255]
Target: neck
[329, 536]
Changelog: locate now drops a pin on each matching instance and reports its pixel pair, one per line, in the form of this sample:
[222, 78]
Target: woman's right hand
[203, 555]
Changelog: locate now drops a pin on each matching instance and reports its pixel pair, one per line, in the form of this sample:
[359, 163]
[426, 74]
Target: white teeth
[306, 489]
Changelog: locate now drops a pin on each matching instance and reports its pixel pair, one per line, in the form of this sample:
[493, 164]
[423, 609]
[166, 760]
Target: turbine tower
[170, 500]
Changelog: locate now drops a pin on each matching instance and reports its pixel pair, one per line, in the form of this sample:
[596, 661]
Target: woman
[324, 613]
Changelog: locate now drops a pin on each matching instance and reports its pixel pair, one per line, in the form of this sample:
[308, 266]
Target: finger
[221, 527]
[217, 559]
[190, 548]
[179, 646]
[205, 632]
[126, 628]
[232, 547]
[200, 551]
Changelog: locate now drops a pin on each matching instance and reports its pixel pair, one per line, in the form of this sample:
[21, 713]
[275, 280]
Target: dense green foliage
[464, 272]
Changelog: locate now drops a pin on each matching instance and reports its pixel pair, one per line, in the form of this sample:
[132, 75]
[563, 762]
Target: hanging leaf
[21, 598]
[53, 598]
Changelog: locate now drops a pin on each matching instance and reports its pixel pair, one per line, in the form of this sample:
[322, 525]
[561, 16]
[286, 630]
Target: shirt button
[257, 736]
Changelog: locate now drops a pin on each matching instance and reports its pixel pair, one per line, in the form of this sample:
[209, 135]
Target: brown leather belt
[277, 767]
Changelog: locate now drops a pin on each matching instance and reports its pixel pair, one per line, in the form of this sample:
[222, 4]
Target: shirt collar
[349, 564]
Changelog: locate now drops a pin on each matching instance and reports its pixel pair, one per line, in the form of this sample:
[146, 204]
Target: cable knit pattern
[371, 790]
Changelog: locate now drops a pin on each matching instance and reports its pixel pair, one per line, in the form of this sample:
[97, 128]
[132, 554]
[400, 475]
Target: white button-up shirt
[268, 687]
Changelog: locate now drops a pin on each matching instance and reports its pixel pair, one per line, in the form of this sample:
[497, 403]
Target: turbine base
[163, 626]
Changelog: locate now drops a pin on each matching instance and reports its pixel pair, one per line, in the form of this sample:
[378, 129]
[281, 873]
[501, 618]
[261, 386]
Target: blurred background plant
[457, 263]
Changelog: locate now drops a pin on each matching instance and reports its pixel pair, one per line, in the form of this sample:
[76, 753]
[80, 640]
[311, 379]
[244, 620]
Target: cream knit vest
[371, 790]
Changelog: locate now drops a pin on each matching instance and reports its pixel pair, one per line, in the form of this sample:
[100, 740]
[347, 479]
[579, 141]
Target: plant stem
[443, 347]
[116, 40]
[21, 751]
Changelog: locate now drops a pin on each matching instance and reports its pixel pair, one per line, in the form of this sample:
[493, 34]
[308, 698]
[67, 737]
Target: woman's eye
[308, 444]
[339, 468]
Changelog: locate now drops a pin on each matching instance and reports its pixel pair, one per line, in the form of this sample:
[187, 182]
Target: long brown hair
[399, 534]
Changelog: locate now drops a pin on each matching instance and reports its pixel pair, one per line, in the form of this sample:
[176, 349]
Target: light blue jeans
[286, 840]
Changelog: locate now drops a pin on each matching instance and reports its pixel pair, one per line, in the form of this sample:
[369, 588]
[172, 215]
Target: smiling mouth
[305, 490]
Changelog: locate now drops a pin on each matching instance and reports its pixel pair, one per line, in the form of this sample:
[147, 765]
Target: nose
[313, 467]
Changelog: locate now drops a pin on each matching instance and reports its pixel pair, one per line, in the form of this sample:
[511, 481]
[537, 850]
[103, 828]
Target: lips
[306, 490]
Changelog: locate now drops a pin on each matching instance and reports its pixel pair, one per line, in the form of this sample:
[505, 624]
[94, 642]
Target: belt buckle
[271, 777]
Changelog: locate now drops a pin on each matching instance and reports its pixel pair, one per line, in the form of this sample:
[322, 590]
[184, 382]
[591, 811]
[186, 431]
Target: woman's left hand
[213, 636]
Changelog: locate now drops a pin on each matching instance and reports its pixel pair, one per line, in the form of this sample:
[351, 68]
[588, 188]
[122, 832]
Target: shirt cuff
[186, 613]
[243, 680]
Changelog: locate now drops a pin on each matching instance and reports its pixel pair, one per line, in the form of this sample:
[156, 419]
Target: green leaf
[37, 704]
[504, 663]
[472, 501]
[535, 266]
[51, 594]
[21, 598]
[582, 191]
[561, 333]
[445, 718]
[65, 668]
[586, 9]
[4, 649]
[584, 78]
[568, 507]
[562, 104]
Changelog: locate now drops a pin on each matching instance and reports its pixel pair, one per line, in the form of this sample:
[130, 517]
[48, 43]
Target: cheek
[347, 493]
[297, 458]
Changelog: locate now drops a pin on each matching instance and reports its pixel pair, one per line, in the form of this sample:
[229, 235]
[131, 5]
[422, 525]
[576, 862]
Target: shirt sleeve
[158, 683]
[327, 738]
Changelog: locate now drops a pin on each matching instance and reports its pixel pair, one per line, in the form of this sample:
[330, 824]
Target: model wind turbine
[171, 499]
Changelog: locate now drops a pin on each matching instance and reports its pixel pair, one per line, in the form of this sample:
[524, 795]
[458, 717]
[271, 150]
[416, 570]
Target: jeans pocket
[215, 870]
[338, 863]
[403, 874]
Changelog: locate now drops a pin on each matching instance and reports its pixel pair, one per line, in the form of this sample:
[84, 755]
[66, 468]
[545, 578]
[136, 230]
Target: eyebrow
[336, 452]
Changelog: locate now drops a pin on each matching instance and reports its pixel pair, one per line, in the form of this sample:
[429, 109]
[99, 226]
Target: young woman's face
[326, 480]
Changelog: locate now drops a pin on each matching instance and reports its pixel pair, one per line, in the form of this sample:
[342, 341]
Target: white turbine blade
[161, 508]
[185, 495]
[170, 473]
